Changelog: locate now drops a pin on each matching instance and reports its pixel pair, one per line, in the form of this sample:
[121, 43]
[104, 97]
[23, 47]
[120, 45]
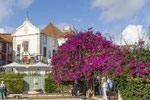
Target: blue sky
[106, 16]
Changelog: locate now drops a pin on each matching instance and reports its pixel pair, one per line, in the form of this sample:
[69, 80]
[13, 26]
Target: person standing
[105, 86]
[76, 86]
[110, 84]
[3, 90]
[99, 85]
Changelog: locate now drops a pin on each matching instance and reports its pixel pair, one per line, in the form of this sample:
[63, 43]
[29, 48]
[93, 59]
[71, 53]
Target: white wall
[26, 32]
[33, 41]
[49, 46]
[61, 41]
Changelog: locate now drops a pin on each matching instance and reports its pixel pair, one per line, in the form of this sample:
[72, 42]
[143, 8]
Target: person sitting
[80, 95]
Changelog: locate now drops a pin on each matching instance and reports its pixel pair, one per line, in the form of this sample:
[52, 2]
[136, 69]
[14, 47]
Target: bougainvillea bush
[84, 56]
[134, 82]
[87, 54]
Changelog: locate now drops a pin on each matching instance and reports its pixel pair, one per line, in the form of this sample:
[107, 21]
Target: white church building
[29, 40]
[32, 47]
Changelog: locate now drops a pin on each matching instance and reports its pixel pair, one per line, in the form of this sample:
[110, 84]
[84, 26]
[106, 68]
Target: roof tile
[6, 37]
[52, 31]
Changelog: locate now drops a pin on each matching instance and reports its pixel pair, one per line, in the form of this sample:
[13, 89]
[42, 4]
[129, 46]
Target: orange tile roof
[52, 31]
[6, 37]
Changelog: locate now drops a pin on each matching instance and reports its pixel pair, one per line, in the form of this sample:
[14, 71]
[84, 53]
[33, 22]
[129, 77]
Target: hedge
[14, 85]
[11, 75]
[50, 85]
[133, 90]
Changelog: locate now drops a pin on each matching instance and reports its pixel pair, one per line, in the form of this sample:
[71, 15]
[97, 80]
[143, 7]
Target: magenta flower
[131, 65]
[141, 42]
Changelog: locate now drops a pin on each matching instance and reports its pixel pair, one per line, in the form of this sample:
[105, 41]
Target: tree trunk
[89, 88]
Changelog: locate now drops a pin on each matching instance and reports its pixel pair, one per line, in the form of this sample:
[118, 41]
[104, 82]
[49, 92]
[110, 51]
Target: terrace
[29, 59]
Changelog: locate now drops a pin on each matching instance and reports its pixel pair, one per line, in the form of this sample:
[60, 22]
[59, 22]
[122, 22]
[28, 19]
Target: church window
[54, 42]
[45, 39]
[18, 50]
[26, 46]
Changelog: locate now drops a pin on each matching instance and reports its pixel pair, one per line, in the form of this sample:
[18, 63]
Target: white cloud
[6, 29]
[24, 3]
[7, 7]
[132, 34]
[118, 9]
[9, 29]
[2, 30]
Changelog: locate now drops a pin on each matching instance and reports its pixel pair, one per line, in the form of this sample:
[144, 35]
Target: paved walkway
[49, 97]
[46, 97]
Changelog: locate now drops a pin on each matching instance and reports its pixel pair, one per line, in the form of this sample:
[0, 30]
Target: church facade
[29, 40]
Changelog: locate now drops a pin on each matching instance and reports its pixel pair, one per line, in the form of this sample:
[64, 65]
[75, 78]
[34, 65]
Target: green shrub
[135, 90]
[14, 85]
[11, 75]
[50, 85]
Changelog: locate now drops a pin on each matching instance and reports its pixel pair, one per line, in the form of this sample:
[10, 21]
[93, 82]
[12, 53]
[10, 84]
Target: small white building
[29, 39]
